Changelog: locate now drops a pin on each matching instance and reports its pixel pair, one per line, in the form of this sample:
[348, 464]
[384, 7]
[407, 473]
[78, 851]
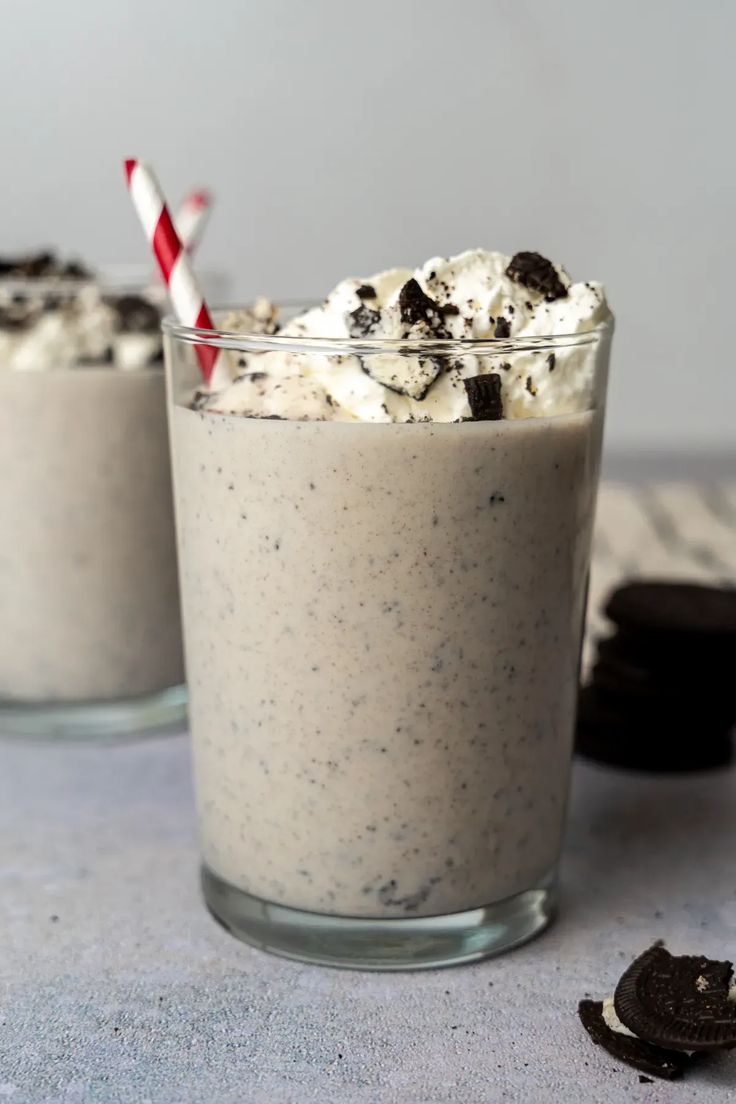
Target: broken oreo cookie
[668, 1064]
[485, 397]
[536, 272]
[682, 1002]
[666, 1010]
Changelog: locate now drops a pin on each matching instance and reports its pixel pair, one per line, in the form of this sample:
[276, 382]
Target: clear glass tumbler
[91, 633]
[382, 627]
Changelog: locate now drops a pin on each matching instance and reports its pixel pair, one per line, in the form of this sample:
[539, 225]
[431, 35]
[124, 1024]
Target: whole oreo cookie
[680, 1002]
[643, 1056]
[661, 753]
[678, 609]
[701, 669]
[670, 708]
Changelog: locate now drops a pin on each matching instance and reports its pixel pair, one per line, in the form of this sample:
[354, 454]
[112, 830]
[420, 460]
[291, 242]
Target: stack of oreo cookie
[662, 694]
[666, 1011]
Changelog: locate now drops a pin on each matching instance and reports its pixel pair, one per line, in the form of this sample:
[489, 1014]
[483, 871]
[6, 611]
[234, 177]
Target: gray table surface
[117, 986]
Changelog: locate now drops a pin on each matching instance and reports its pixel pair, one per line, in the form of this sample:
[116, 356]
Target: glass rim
[220, 338]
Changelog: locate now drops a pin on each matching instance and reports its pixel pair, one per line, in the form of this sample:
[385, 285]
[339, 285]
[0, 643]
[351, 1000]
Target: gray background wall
[343, 137]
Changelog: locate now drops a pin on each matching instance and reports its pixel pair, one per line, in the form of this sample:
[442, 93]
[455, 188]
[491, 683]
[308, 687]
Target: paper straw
[192, 216]
[175, 265]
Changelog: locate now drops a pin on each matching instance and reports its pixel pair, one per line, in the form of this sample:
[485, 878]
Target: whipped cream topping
[55, 315]
[476, 296]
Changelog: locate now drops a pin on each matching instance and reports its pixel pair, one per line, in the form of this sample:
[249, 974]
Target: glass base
[150, 714]
[371, 944]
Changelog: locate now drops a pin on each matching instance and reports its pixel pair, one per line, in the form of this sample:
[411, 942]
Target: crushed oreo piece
[551, 361]
[503, 327]
[536, 272]
[530, 385]
[485, 397]
[449, 309]
[667, 1064]
[412, 376]
[417, 308]
[73, 270]
[107, 357]
[681, 1002]
[41, 265]
[135, 314]
[365, 291]
[199, 399]
[363, 321]
[16, 317]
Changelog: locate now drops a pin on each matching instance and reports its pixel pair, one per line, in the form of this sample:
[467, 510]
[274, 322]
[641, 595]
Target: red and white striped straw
[175, 265]
[192, 216]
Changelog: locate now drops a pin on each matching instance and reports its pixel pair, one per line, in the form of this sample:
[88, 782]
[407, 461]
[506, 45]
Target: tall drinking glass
[382, 628]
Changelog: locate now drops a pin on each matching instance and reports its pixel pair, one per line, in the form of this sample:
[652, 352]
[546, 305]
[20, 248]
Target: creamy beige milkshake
[88, 580]
[382, 621]
[383, 653]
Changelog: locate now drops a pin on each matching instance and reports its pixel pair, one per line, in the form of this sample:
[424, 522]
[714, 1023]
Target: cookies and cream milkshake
[384, 527]
[88, 581]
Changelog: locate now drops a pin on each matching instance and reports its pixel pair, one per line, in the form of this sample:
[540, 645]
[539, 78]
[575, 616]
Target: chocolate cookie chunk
[41, 266]
[536, 272]
[363, 321]
[685, 609]
[680, 1001]
[135, 314]
[417, 308]
[643, 1056]
[37, 265]
[485, 397]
